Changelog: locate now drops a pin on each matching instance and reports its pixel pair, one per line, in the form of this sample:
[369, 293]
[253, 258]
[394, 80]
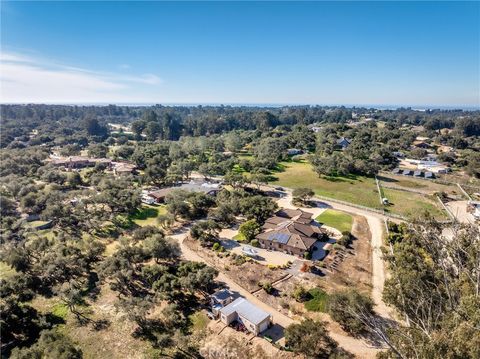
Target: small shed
[417, 174]
[253, 318]
[429, 175]
[407, 172]
[396, 171]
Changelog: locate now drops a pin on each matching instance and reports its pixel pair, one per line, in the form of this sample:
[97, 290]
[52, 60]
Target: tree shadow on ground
[387, 179]
[144, 213]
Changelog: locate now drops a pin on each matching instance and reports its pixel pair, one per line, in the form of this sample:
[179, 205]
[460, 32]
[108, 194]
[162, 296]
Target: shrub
[267, 287]
[255, 243]
[284, 304]
[216, 246]
[249, 229]
[318, 301]
[300, 294]
[307, 255]
[346, 239]
[344, 307]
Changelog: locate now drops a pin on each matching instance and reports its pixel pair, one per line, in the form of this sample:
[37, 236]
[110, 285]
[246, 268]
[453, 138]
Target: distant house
[159, 195]
[445, 149]
[124, 168]
[431, 157]
[77, 162]
[193, 186]
[396, 171]
[433, 166]
[417, 173]
[421, 144]
[241, 310]
[344, 142]
[398, 154]
[294, 151]
[407, 172]
[290, 231]
[473, 207]
[429, 175]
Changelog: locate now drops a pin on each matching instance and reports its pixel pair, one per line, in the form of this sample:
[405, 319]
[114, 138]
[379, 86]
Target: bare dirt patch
[114, 341]
[228, 343]
[355, 270]
[247, 274]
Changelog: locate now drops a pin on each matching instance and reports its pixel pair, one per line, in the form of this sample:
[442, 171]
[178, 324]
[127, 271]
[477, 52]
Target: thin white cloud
[25, 79]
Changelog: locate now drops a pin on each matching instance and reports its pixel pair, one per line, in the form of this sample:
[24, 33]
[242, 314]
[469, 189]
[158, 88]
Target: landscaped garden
[336, 219]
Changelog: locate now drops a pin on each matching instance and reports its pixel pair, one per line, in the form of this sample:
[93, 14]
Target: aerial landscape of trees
[93, 246]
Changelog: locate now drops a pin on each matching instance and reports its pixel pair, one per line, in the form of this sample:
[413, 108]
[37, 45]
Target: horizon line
[462, 107]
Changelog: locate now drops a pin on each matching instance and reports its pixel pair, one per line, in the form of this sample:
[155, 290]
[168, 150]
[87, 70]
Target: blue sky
[385, 53]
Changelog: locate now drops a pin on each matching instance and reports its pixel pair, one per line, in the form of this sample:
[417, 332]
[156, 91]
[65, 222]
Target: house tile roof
[291, 227]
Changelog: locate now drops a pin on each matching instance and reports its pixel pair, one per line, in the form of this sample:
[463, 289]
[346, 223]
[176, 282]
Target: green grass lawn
[148, 214]
[60, 310]
[318, 301]
[411, 204]
[416, 183]
[354, 189]
[336, 219]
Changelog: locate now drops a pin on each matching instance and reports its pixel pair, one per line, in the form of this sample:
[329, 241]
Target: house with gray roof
[220, 299]
[344, 142]
[254, 319]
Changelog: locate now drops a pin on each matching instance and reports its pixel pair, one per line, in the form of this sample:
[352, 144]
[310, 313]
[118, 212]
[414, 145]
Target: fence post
[450, 214]
[464, 192]
[379, 189]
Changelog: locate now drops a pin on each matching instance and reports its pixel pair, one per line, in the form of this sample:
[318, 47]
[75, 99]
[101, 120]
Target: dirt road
[358, 347]
[376, 224]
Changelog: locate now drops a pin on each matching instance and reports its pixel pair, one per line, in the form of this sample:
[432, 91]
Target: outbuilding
[253, 318]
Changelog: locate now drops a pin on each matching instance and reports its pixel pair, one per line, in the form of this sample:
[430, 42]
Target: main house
[291, 231]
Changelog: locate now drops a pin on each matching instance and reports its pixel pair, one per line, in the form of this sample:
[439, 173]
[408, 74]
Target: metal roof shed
[247, 310]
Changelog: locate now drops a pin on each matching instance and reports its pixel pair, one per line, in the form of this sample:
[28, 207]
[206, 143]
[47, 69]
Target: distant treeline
[172, 122]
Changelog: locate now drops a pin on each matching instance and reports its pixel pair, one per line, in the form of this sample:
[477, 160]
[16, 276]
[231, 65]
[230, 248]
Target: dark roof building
[344, 142]
[291, 231]
[193, 186]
